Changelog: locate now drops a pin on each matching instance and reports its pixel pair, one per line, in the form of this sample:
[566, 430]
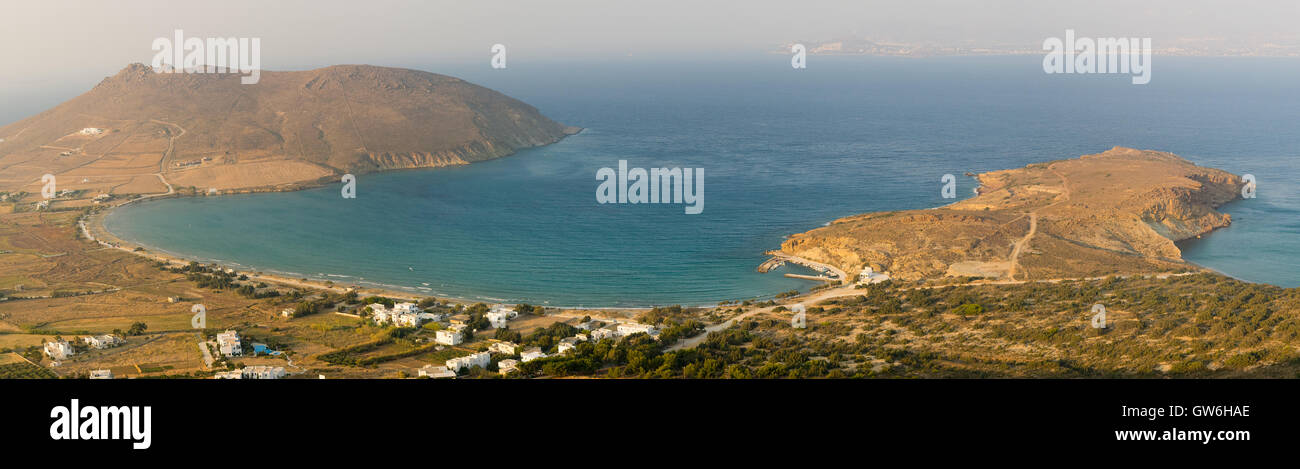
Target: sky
[52, 44]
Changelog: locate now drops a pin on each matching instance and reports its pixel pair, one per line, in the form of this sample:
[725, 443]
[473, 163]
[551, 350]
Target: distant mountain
[209, 131]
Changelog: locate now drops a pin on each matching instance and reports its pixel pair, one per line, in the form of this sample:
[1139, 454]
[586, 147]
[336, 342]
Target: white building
[531, 354]
[101, 374]
[565, 347]
[500, 314]
[437, 372]
[287, 312]
[629, 329]
[59, 349]
[229, 345]
[92, 131]
[402, 315]
[102, 341]
[449, 337]
[505, 367]
[504, 348]
[263, 372]
[604, 333]
[435, 317]
[481, 360]
[569, 343]
[869, 276]
[406, 308]
[253, 372]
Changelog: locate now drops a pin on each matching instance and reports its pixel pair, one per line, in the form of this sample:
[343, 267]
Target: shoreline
[94, 230]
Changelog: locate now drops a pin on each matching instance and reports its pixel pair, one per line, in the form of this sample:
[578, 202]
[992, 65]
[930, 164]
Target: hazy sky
[43, 40]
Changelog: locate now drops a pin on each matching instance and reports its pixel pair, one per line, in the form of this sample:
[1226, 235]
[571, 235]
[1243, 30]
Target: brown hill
[209, 131]
[1113, 212]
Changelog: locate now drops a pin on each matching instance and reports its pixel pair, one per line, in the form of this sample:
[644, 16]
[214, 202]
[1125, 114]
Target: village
[437, 327]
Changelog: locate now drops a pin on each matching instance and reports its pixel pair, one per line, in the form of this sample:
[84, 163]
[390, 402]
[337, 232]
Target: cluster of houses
[92, 131]
[505, 367]
[253, 372]
[402, 315]
[60, 349]
[102, 341]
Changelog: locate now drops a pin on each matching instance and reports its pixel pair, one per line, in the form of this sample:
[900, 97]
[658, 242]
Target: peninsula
[141, 132]
[1116, 212]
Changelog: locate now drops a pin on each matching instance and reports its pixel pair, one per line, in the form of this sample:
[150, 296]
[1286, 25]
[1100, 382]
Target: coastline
[94, 229]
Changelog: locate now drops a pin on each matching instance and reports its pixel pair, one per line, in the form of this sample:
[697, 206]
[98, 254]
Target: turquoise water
[783, 151]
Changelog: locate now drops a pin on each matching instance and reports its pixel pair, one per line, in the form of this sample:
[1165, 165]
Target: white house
[504, 348]
[506, 366]
[229, 344]
[629, 329]
[101, 374]
[92, 131]
[287, 312]
[449, 337]
[435, 317]
[437, 372]
[481, 360]
[406, 308]
[102, 341]
[531, 354]
[500, 314]
[870, 276]
[604, 333]
[569, 343]
[565, 347]
[252, 372]
[59, 349]
[263, 372]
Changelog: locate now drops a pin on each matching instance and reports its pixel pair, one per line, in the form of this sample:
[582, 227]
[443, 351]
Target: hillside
[211, 132]
[1115, 212]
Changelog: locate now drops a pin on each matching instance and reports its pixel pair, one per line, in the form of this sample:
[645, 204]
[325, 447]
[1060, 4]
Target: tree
[137, 328]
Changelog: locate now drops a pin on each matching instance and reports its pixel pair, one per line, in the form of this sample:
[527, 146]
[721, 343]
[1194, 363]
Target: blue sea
[783, 151]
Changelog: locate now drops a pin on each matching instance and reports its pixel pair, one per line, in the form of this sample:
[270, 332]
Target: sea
[782, 151]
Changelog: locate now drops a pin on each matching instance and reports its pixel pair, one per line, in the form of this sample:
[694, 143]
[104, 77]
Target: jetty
[829, 272]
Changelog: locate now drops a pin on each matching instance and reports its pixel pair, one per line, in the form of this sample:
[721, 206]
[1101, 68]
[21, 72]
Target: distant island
[1176, 47]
